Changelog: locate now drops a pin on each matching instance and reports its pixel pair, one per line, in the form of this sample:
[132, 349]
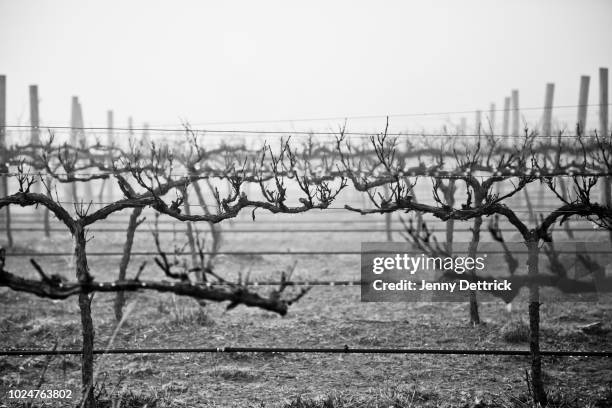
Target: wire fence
[260, 253]
[281, 231]
[367, 135]
[308, 350]
[187, 126]
[356, 209]
[431, 174]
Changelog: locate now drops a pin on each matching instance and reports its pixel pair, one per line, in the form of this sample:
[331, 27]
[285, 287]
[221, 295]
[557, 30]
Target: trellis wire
[535, 173]
[299, 133]
[370, 116]
[279, 231]
[309, 350]
[256, 253]
[85, 203]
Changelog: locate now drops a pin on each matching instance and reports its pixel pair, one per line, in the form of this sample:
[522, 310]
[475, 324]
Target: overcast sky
[206, 61]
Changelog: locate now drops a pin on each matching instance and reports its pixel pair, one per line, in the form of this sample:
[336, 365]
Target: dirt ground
[325, 317]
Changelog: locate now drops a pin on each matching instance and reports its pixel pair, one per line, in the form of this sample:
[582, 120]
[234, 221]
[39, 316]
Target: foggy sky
[205, 61]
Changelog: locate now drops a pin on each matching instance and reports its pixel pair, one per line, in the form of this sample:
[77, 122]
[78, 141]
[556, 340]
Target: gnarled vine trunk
[87, 358]
[449, 196]
[539, 394]
[474, 315]
[125, 260]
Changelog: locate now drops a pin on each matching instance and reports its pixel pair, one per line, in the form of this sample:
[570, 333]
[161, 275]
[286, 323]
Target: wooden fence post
[583, 102]
[478, 123]
[34, 119]
[74, 120]
[110, 124]
[74, 107]
[548, 106]
[81, 125]
[603, 102]
[515, 113]
[110, 119]
[506, 117]
[35, 140]
[130, 130]
[546, 128]
[492, 118]
[83, 143]
[493, 132]
[606, 191]
[146, 139]
[4, 168]
[34, 128]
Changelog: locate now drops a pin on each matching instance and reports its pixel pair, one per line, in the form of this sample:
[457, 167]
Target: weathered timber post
[546, 127]
[35, 141]
[107, 192]
[548, 105]
[130, 130]
[506, 117]
[581, 122]
[515, 113]
[74, 124]
[34, 118]
[606, 191]
[4, 168]
[83, 144]
[146, 139]
[583, 102]
[492, 118]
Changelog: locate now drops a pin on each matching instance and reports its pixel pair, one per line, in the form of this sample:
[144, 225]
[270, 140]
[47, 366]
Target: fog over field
[323, 204]
[164, 62]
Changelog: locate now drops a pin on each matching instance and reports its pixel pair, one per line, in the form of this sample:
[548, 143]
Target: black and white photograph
[291, 204]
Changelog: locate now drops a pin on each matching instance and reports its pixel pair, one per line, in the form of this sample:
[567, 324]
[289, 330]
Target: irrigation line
[308, 350]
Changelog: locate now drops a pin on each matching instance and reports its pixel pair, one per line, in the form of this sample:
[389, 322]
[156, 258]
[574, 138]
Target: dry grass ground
[327, 316]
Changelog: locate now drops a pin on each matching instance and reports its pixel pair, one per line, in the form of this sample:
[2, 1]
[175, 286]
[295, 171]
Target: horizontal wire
[318, 350]
[395, 115]
[281, 231]
[429, 174]
[258, 253]
[399, 210]
[375, 116]
[264, 218]
[295, 132]
[284, 226]
[229, 223]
